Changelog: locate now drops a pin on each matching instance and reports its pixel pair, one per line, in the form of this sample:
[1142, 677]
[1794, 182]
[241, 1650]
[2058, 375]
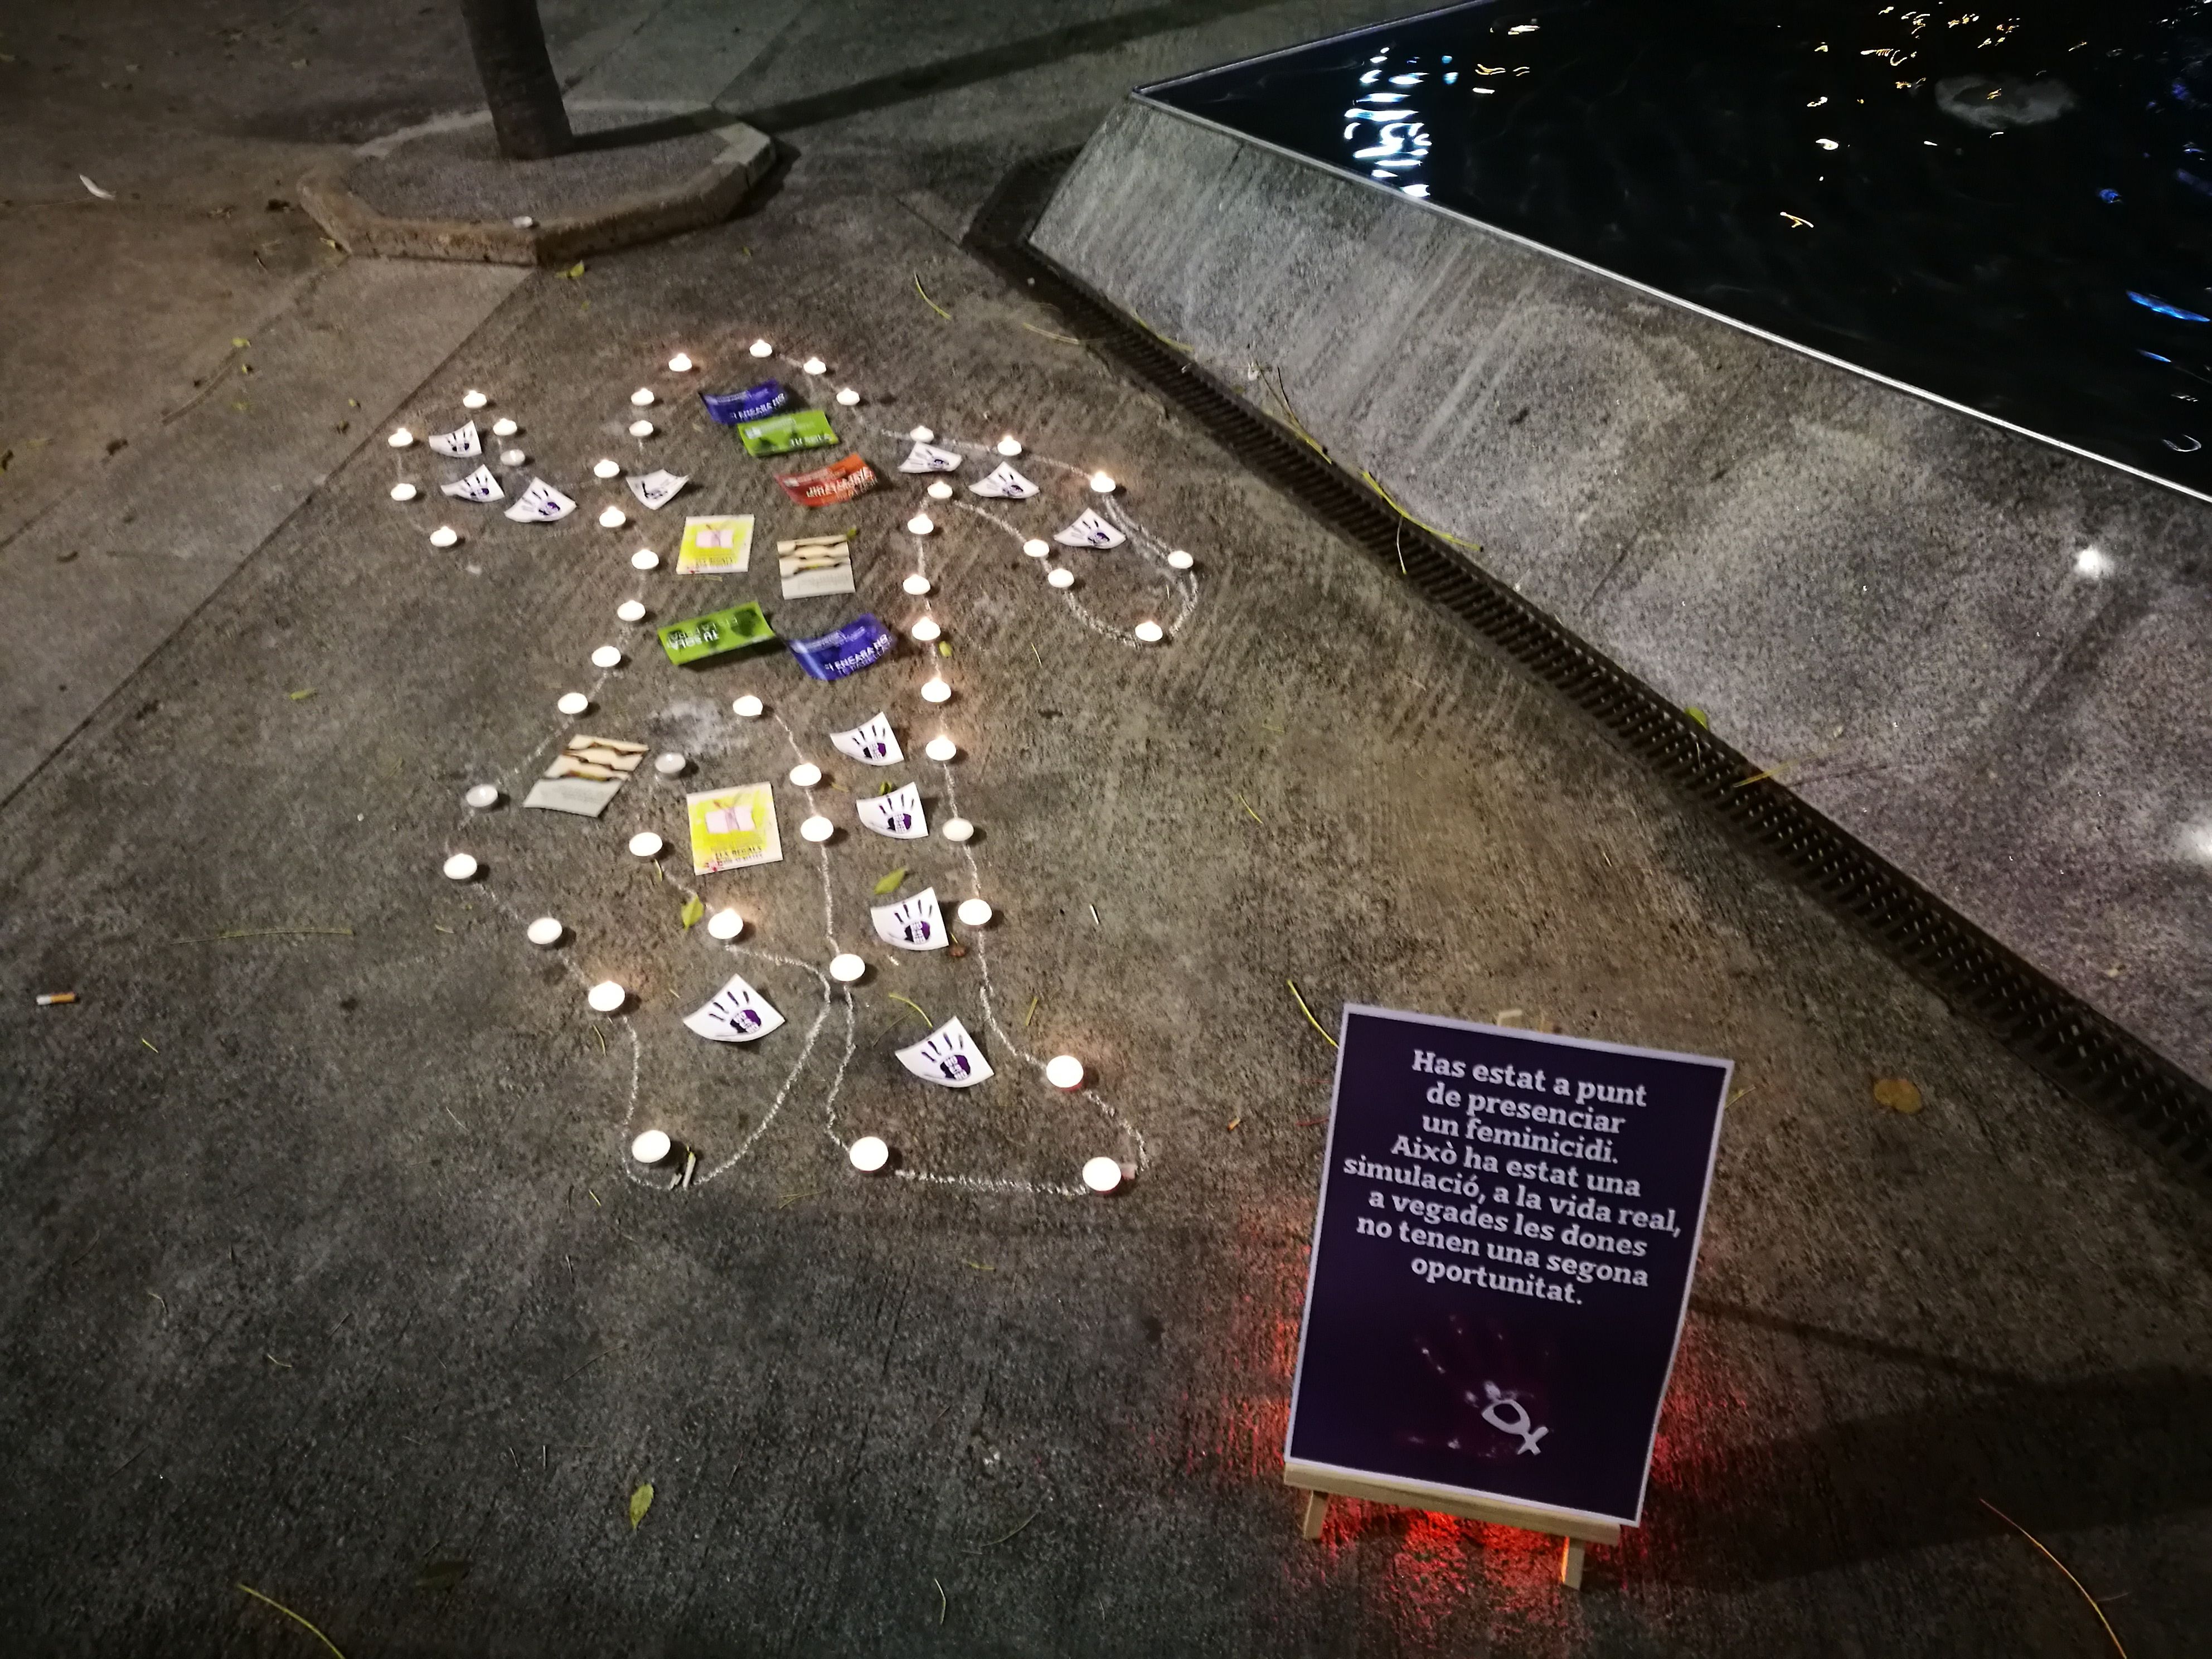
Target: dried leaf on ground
[1898, 1094]
[693, 909]
[889, 884]
[641, 1499]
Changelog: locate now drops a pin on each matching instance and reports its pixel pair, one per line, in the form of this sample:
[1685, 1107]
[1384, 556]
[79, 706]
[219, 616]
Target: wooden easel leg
[1570, 1564]
[1316, 1512]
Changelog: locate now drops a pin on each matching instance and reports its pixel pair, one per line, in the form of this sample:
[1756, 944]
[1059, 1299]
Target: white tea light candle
[869, 1154]
[1063, 1071]
[460, 867]
[725, 924]
[806, 775]
[650, 1147]
[845, 967]
[645, 844]
[545, 931]
[606, 996]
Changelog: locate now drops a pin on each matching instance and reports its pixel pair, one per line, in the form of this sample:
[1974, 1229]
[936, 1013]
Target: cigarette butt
[49, 998]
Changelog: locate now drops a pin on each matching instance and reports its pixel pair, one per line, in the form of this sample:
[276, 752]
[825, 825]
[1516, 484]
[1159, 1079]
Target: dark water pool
[2008, 206]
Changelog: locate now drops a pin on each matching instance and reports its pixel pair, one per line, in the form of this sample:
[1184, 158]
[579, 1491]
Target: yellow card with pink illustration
[732, 829]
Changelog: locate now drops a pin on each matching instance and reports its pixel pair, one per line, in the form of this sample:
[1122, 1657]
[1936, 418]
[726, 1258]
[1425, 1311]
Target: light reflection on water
[2009, 206]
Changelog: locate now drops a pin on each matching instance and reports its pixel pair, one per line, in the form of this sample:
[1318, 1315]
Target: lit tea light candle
[483, 797]
[460, 867]
[941, 749]
[473, 400]
[848, 397]
[403, 492]
[669, 764]
[806, 775]
[1102, 483]
[748, 707]
[940, 491]
[443, 536]
[645, 559]
[936, 691]
[679, 364]
[1102, 1174]
[546, 931]
[925, 630]
[642, 396]
[917, 583]
[921, 434]
[1010, 446]
[629, 611]
[845, 968]
[1037, 548]
[956, 830]
[645, 845]
[400, 438]
[1180, 560]
[504, 428]
[604, 469]
[1061, 577]
[641, 428]
[573, 702]
[816, 829]
[974, 913]
[650, 1147]
[512, 458]
[762, 349]
[814, 365]
[1150, 632]
[919, 525]
[725, 924]
[869, 1154]
[613, 518]
[606, 996]
[607, 656]
[1063, 1072]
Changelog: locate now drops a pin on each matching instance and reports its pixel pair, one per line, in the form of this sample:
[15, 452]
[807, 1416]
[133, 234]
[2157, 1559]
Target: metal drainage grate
[2083, 1052]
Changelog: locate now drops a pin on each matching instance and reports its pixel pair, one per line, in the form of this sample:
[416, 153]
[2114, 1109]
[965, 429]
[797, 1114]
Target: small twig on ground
[785, 1200]
[150, 1047]
[2061, 1567]
[1247, 805]
[1031, 1015]
[941, 1603]
[582, 1369]
[280, 1364]
[1308, 1013]
[1004, 1536]
[156, 1295]
[927, 300]
[267, 933]
[916, 1006]
[303, 1623]
[983, 1266]
[1065, 339]
[599, 1031]
[1095, 922]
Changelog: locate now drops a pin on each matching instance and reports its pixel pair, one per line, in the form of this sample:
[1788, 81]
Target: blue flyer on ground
[1501, 1263]
[844, 650]
[755, 402]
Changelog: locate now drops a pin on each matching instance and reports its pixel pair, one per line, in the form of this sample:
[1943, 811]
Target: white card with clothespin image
[479, 486]
[460, 443]
[873, 741]
[898, 815]
[927, 458]
[735, 1013]
[656, 489]
[948, 1057]
[540, 503]
[1088, 530]
[914, 924]
[584, 776]
[1003, 482]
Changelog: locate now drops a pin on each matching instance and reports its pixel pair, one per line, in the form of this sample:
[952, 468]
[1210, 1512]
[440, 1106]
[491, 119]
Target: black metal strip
[2087, 1056]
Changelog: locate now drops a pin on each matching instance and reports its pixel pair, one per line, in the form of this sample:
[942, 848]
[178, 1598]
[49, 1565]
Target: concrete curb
[707, 197]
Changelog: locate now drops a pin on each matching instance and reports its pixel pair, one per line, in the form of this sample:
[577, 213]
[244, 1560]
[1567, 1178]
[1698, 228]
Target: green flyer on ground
[718, 631]
[779, 434]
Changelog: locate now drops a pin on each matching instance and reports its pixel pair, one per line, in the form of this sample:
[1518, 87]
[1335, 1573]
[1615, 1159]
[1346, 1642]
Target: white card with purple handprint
[735, 1013]
[927, 458]
[656, 489]
[460, 443]
[948, 1057]
[1088, 530]
[1003, 482]
[914, 924]
[479, 486]
[898, 815]
[873, 741]
[540, 504]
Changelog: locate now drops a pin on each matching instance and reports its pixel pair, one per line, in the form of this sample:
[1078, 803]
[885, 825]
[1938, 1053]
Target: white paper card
[460, 443]
[656, 489]
[948, 1056]
[540, 504]
[1005, 483]
[1088, 530]
[735, 1013]
[479, 486]
[926, 457]
[914, 924]
[873, 741]
[730, 820]
[898, 815]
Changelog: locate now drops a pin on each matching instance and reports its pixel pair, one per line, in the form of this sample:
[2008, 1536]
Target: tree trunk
[526, 111]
